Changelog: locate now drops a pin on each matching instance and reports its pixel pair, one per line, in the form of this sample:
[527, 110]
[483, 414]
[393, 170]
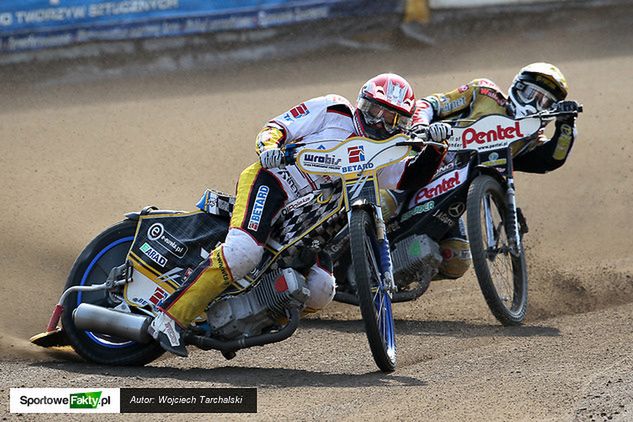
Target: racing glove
[567, 106]
[440, 132]
[418, 130]
[436, 132]
[271, 158]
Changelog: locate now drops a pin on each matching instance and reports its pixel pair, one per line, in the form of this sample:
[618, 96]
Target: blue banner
[33, 24]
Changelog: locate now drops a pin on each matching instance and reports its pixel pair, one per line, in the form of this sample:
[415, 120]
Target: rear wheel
[502, 273]
[106, 251]
[373, 297]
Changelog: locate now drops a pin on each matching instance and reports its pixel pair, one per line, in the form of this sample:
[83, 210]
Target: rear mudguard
[55, 336]
[150, 209]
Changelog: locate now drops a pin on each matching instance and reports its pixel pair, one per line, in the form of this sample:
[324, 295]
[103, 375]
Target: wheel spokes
[490, 230]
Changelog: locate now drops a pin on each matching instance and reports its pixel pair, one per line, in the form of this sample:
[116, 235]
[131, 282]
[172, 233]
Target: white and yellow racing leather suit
[319, 123]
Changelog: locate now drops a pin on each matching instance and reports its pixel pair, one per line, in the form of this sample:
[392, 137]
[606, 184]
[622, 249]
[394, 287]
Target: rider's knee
[456, 257]
[390, 202]
[322, 286]
[242, 252]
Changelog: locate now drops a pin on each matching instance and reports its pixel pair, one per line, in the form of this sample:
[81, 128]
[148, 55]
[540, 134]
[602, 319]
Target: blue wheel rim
[102, 341]
[382, 303]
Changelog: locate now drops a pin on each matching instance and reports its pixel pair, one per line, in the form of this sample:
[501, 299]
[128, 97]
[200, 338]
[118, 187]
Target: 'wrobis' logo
[356, 154]
[326, 160]
[470, 135]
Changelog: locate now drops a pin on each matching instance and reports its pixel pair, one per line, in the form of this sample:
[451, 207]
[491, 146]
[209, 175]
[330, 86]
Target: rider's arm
[552, 154]
[305, 119]
[271, 136]
[294, 124]
[442, 106]
[412, 172]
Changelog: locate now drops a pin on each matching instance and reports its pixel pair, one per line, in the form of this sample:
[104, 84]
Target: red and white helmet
[384, 106]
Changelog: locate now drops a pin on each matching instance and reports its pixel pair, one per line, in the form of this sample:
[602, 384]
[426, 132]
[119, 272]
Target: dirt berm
[76, 156]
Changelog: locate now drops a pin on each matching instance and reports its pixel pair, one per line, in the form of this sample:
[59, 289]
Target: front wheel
[501, 272]
[373, 297]
[106, 251]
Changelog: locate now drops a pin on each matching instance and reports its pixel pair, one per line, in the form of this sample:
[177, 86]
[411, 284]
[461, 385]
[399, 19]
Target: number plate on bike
[353, 156]
[493, 132]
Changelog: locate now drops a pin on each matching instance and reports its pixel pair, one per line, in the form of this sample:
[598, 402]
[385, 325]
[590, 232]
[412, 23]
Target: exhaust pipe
[116, 323]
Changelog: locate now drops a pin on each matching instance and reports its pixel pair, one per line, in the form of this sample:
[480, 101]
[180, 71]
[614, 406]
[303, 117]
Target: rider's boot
[203, 285]
[168, 334]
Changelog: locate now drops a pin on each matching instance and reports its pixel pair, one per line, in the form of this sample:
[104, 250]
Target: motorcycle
[117, 282]
[478, 181]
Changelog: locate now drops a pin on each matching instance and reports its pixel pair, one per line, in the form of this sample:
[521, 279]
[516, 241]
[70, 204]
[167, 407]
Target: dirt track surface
[75, 157]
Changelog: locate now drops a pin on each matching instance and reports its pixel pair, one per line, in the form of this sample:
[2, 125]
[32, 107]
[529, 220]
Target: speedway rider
[537, 87]
[384, 108]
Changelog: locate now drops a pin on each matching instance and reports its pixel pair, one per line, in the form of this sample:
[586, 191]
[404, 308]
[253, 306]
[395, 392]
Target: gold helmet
[535, 88]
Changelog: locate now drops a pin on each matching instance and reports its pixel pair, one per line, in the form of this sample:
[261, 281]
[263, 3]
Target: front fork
[514, 234]
[385, 254]
[383, 248]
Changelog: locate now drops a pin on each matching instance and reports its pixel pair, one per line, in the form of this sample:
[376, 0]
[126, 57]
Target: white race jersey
[321, 123]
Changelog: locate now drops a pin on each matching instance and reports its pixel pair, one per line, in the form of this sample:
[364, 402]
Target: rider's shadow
[239, 376]
[457, 329]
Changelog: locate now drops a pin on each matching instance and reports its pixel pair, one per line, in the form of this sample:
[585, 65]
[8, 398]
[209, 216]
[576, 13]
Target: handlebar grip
[580, 108]
[290, 151]
[289, 157]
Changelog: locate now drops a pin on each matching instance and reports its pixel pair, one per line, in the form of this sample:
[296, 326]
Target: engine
[261, 307]
[416, 258]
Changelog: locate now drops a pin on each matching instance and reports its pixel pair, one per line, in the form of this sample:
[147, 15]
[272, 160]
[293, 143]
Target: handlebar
[544, 115]
[554, 112]
[421, 141]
